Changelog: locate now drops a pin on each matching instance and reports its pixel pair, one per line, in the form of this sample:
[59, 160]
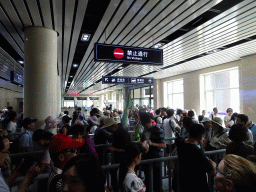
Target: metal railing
[168, 160]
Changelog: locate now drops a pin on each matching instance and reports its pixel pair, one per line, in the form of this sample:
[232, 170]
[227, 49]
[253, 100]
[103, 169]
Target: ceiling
[195, 34]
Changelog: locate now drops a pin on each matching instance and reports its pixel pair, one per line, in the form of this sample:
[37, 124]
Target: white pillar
[40, 72]
[158, 94]
[58, 95]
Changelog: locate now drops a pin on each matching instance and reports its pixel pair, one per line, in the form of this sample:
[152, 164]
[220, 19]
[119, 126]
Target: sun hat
[107, 122]
[107, 112]
[50, 122]
[62, 115]
[206, 119]
[61, 141]
[100, 113]
[218, 121]
[27, 121]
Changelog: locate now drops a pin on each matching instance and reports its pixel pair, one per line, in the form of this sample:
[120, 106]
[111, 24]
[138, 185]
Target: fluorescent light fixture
[21, 62]
[75, 65]
[158, 45]
[85, 37]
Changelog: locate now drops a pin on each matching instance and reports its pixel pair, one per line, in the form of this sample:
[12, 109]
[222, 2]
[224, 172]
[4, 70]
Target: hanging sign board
[132, 55]
[127, 80]
[16, 78]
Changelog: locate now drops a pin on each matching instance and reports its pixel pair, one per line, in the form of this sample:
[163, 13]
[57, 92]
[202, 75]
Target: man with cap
[207, 123]
[121, 138]
[62, 148]
[25, 140]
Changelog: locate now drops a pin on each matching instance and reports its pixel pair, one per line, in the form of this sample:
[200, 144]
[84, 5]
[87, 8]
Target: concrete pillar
[58, 95]
[40, 72]
[117, 100]
[158, 94]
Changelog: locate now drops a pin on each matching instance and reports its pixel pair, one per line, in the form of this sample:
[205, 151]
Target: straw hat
[100, 113]
[218, 121]
[108, 122]
[206, 119]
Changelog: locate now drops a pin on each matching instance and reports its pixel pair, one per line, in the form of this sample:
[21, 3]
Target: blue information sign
[127, 80]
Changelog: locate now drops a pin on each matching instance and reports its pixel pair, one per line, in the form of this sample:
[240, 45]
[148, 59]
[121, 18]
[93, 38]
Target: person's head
[145, 120]
[187, 121]
[179, 112]
[170, 112]
[94, 111]
[242, 119]
[13, 116]
[158, 111]
[215, 110]
[196, 132]
[107, 113]
[234, 173]
[4, 147]
[81, 118]
[191, 113]
[207, 122]
[110, 124]
[234, 117]
[66, 112]
[115, 116]
[29, 123]
[151, 116]
[83, 173]
[217, 124]
[10, 108]
[229, 111]
[50, 122]
[62, 148]
[78, 131]
[133, 153]
[66, 119]
[42, 137]
[238, 133]
[164, 112]
[203, 112]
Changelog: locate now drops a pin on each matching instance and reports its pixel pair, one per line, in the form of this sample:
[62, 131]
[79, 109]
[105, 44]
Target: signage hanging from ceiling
[127, 80]
[132, 55]
[16, 78]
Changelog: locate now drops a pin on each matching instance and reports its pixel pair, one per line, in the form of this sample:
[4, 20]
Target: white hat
[107, 122]
[206, 119]
[107, 112]
[218, 121]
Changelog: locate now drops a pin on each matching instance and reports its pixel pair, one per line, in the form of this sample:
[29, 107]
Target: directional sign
[127, 80]
[131, 55]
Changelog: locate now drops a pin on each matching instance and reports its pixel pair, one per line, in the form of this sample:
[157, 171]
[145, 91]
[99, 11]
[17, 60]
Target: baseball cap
[27, 121]
[61, 141]
[206, 119]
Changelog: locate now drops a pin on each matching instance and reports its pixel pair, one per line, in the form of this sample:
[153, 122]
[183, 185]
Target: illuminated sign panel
[127, 80]
[16, 78]
[132, 55]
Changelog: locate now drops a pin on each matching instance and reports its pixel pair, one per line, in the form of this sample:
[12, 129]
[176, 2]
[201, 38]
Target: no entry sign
[118, 53]
[130, 55]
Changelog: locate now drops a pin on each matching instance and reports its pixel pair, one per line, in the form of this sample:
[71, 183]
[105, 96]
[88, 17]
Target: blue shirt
[252, 127]
[26, 140]
[3, 186]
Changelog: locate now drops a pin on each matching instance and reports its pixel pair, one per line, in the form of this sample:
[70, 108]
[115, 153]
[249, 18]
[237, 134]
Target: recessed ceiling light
[71, 76]
[85, 37]
[158, 45]
[120, 67]
[69, 82]
[75, 65]
[21, 62]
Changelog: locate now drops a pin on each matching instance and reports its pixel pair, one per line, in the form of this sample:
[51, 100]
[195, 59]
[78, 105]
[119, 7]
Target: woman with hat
[219, 139]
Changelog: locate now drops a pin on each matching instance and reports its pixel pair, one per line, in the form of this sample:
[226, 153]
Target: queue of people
[74, 161]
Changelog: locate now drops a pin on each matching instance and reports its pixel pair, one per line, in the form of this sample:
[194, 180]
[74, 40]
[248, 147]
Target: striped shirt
[54, 171]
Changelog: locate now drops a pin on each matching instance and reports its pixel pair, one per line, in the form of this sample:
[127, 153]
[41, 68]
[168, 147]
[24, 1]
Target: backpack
[14, 147]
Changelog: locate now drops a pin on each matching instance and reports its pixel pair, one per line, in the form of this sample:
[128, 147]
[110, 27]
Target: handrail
[27, 153]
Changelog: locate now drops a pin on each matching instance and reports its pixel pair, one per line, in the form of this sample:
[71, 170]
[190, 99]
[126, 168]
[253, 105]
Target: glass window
[220, 89]
[174, 97]
[136, 93]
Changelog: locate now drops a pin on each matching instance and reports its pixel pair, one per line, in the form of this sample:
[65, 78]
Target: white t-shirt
[168, 130]
[133, 183]
[222, 139]
[12, 126]
[250, 136]
[227, 118]
[212, 116]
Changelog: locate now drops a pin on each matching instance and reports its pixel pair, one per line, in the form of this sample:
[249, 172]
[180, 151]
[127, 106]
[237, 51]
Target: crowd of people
[74, 159]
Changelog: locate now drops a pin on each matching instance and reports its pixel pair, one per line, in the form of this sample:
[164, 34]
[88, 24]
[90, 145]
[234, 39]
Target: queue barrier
[168, 160]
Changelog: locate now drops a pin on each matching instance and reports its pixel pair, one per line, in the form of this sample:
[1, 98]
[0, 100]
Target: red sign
[118, 53]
